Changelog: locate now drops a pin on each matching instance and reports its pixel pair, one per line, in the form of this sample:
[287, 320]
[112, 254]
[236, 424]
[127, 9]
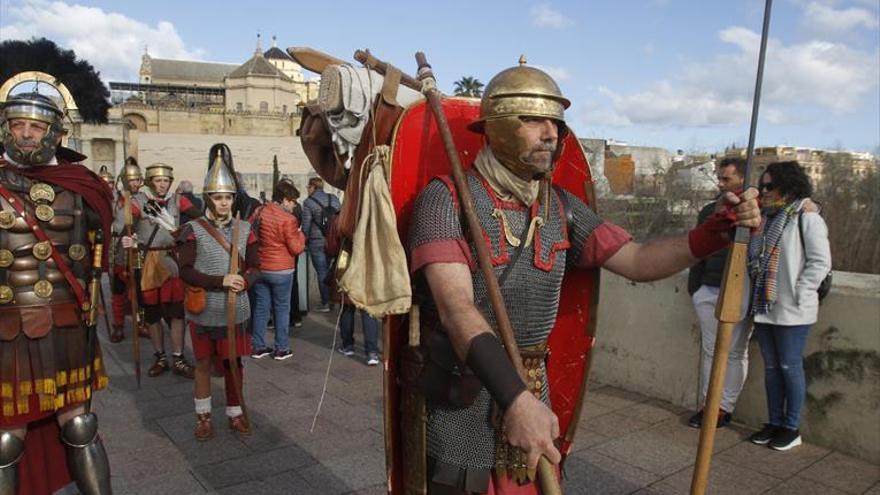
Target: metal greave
[86, 457]
[11, 452]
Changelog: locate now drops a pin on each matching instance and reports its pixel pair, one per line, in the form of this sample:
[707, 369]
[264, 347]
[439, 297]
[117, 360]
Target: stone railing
[648, 341]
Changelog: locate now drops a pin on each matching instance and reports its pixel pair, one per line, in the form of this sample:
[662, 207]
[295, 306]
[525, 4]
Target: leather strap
[63, 267]
[218, 237]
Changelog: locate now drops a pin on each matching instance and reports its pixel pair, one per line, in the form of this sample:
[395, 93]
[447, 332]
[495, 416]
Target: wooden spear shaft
[729, 308]
[231, 312]
[546, 472]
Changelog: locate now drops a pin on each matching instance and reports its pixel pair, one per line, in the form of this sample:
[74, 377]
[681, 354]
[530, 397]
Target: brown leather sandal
[159, 367]
[204, 428]
[180, 367]
[240, 425]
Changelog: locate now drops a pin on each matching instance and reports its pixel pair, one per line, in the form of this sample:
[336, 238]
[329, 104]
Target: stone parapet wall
[648, 341]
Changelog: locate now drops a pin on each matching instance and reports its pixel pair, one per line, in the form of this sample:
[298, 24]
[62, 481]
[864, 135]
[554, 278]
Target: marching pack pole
[729, 308]
[546, 473]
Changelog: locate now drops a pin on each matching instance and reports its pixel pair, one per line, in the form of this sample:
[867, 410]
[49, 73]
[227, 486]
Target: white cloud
[817, 74]
[558, 74]
[828, 19]
[112, 42]
[545, 16]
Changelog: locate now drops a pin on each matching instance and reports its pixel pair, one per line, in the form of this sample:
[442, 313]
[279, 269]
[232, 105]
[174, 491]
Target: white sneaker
[322, 309]
[372, 359]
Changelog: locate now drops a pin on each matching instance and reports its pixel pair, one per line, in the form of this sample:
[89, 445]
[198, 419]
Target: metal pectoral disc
[42, 192]
[6, 294]
[44, 213]
[6, 258]
[7, 219]
[42, 250]
[76, 252]
[43, 289]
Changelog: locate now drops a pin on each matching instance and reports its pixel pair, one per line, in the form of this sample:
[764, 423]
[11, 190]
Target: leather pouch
[194, 299]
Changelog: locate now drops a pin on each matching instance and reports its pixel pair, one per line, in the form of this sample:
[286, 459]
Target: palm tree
[469, 86]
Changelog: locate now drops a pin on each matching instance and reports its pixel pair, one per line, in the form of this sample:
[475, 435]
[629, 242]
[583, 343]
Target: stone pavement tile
[782, 465]
[652, 411]
[218, 449]
[649, 449]
[360, 469]
[802, 486]
[874, 490]
[355, 418]
[844, 473]
[122, 441]
[163, 407]
[330, 441]
[613, 425]
[678, 432]
[592, 472]
[373, 490]
[724, 479]
[182, 482]
[289, 482]
[144, 463]
[323, 481]
[585, 439]
[253, 467]
[592, 410]
[613, 397]
[183, 388]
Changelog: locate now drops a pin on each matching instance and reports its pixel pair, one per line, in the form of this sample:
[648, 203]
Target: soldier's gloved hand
[234, 282]
[745, 206]
[532, 426]
[129, 241]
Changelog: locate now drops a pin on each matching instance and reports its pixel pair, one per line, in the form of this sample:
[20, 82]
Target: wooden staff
[133, 267]
[729, 308]
[231, 305]
[546, 472]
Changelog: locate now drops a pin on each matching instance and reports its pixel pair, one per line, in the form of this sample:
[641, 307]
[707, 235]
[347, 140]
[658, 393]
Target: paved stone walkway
[627, 443]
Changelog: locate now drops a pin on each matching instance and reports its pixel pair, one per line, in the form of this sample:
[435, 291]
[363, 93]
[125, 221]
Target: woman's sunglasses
[767, 186]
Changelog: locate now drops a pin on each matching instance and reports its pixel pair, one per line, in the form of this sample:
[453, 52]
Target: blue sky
[675, 74]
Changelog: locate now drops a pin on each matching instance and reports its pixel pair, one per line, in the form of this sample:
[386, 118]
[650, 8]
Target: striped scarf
[764, 256]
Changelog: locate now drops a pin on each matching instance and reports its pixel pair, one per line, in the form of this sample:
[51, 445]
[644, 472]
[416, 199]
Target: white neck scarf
[506, 185]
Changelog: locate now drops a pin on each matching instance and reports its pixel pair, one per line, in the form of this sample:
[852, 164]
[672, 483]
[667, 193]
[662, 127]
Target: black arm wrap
[488, 360]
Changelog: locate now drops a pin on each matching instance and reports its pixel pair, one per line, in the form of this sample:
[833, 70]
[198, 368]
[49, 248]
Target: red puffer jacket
[281, 239]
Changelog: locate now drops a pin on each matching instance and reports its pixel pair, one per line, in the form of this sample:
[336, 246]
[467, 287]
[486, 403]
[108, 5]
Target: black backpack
[825, 285]
[327, 217]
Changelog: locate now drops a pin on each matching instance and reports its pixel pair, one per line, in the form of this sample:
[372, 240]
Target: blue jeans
[320, 262]
[272, 290]
[369, 324]
[783, 350]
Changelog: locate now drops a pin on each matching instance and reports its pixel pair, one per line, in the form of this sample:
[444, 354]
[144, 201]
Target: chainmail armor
[465, 437]
[212, 259]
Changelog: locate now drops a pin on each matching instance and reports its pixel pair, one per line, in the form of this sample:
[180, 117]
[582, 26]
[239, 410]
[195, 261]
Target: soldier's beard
[540, 160]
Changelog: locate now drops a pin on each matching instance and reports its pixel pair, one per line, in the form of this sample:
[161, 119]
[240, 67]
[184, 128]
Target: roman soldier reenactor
[130, 180]
[217, 306]
[156, 211]
[49, 358]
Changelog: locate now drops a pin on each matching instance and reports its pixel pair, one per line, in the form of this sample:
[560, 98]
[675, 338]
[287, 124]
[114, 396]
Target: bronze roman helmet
[517, 92]
[106, 174]
[158, 170]
[220, 179]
